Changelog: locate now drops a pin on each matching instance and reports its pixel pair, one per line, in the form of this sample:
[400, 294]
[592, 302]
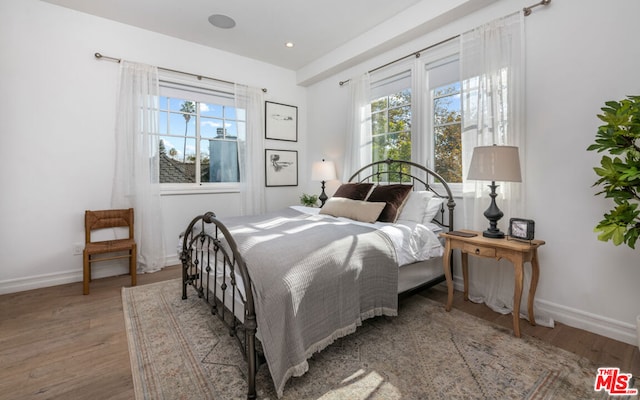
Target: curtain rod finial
[527, 10]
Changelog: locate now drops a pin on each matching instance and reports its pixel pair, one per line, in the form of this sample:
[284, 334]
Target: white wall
[57, 118]
[578, 55]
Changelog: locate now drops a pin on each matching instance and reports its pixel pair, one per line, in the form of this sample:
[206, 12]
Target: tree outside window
[447, 139]
[391, 127]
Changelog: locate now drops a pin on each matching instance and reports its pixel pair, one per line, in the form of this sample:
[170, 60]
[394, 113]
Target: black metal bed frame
[209, 251]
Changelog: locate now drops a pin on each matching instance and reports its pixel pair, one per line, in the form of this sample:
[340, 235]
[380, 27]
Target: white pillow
[416, 206]
[432, 209]
[359, 210]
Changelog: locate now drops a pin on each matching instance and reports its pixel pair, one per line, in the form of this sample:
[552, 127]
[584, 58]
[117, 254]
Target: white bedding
[412, 241]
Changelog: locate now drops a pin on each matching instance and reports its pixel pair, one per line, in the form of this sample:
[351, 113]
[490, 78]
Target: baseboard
[593, 323]
[39, 281]
[599, 324]
[172, 260]
[64, 277]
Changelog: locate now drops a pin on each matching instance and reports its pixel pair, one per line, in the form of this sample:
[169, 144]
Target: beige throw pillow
[363, 211]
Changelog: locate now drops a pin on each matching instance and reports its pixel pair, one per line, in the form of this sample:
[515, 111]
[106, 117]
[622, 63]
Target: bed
[289, 283]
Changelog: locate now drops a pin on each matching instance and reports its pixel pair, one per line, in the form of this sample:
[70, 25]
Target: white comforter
[412, 241]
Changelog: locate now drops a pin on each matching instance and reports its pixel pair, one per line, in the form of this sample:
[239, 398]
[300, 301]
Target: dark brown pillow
[395, 196]
[354, 191]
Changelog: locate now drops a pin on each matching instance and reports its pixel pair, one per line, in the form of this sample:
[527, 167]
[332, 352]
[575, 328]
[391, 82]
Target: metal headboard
[407, 172]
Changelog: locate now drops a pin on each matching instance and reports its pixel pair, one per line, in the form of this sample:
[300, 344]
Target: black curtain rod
[415, 53]
[199, 77]
[526, 11]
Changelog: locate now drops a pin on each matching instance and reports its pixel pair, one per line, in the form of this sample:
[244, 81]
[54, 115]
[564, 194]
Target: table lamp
[494, 163]
[323, 171]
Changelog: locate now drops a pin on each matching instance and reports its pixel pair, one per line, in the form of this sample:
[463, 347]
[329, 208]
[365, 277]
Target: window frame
[435, 56]
[386, 82]
[201, 91]
[447, 55]
[422, 104]
[387, 113]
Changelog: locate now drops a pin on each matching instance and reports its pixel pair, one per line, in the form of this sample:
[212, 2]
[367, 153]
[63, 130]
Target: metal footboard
[211, 264]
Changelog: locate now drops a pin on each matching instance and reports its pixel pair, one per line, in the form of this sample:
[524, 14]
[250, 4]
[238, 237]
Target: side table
[518, 252]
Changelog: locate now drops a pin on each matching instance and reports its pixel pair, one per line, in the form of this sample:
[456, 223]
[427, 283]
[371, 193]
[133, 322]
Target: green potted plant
[620, 172]
[309, 200]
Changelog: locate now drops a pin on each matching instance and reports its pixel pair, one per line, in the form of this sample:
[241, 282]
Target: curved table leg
[465, 274]
[447, 273]
[517, 295]
[535, 274]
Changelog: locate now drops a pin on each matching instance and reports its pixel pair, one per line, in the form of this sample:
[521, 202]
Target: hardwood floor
[56, 343]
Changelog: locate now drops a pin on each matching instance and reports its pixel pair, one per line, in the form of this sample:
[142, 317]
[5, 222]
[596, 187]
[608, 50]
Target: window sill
[186, 189]
[456, 189]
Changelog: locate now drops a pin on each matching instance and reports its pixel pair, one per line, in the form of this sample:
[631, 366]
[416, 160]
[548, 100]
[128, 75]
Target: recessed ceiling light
[222, 21]
[289, 44]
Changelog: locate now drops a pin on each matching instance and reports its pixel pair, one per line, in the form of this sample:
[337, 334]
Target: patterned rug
[180, 351]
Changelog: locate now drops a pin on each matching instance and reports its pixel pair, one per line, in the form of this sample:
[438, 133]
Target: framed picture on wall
[281, 167]
[281, 121]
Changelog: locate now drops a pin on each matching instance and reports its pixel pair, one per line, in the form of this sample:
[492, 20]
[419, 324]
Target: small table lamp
[323, 171]
[494, 163]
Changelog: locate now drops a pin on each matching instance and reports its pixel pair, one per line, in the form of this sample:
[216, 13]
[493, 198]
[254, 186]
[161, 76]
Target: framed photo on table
[281, 121]
[521, 229]
[281, 167]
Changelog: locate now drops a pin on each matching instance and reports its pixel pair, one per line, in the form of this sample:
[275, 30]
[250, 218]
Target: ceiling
[262, 26]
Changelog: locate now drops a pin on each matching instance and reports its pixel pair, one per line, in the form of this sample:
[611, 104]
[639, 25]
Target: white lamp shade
[495, 163]
[323, 171]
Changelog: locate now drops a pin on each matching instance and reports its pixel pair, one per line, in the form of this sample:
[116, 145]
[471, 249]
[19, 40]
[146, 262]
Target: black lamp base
[493, 235]
[493, 214]
[323, 196]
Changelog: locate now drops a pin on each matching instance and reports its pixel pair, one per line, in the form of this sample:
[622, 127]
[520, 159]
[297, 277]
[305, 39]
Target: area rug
[179, 350]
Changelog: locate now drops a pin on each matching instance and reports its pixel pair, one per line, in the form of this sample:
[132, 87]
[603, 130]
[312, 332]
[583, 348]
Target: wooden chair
[101, 219]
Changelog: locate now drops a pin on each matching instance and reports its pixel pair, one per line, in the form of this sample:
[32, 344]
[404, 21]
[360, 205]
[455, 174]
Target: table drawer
[479, 250]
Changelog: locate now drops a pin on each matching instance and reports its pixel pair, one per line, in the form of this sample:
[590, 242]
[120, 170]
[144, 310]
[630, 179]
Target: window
[397, 120]
[198, 131]
[446, 121]
[391, 117]
[447, 139]
[391, 126]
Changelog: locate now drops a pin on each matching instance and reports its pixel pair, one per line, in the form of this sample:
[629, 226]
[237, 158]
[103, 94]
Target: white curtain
[492, 75]
[358, 145]
[420, 146]
[136, 181]
[251, 149]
